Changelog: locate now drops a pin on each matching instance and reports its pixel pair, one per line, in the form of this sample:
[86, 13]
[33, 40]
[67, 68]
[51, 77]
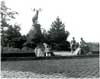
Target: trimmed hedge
[17, 50]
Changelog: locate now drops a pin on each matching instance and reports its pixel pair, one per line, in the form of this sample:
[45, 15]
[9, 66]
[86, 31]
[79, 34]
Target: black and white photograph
[50, 39]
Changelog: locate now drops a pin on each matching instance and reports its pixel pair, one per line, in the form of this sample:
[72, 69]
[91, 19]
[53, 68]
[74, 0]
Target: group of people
[84, 49]
[43, 50]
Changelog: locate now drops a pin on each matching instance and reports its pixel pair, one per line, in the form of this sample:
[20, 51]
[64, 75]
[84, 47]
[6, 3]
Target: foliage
[93, 47]
[34, 36]
[19, 41]
[6, 15]
[27, 49]
[12, 36]
[57, 35]
[57, 31]
[46, 38]
[17, 50]
[11, 50]
[29, 44]
[63, 46]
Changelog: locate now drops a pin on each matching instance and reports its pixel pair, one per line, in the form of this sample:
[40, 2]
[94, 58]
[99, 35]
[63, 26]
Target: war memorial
[38, 55]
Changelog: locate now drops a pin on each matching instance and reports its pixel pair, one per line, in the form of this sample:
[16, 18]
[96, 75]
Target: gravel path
[20, 74]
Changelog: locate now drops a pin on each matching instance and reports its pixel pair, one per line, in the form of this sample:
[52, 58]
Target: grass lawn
[68, 68]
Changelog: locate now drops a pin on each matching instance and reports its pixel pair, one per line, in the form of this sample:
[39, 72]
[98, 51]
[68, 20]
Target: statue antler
[35, 18]
[36, 9]
[33, 9]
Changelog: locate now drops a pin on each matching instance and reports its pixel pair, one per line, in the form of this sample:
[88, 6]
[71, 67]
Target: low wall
[47, 58]
[18, 54]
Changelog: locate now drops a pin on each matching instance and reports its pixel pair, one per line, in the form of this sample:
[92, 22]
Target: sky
[81, 17]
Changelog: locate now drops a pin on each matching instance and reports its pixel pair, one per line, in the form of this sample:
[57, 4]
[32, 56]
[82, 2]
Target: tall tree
[57, 31]
[6, 14]
[57, 34]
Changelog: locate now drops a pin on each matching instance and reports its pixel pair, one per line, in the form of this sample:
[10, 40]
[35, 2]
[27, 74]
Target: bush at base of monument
[34, 36]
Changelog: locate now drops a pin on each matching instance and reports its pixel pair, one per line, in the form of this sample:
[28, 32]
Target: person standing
[47, 49]
[39, 50]
[73, 44]
[84, 47]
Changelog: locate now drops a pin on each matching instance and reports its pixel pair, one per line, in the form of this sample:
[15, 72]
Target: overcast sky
[81, 17]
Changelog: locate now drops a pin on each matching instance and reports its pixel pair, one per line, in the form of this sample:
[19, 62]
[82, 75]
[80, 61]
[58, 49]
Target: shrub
[27, 50]
[17, 50]
[11, 50]
[94, 47]
[63, 46]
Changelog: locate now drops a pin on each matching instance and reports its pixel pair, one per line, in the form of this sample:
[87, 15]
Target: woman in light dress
[39, 50]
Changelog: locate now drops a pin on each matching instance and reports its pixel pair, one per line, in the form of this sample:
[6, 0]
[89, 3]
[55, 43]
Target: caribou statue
[35, 17]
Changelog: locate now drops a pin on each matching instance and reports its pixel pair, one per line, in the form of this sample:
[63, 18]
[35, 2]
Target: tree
[57, 31]
[19, 41]
[44, 36]
[6, 14]
[57, 34]
[12, 36]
